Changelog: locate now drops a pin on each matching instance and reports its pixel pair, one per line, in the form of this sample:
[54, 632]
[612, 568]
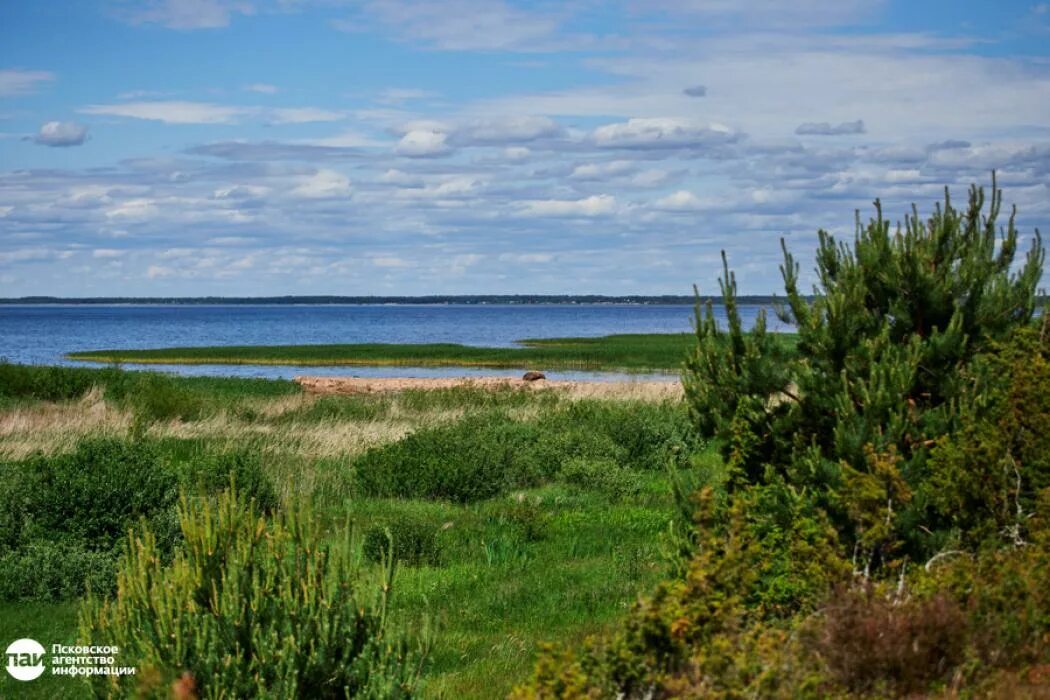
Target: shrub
[213, 473]
[476, 458]
[602, 475]
[54, 571]
[250, 608]
[868, 640]
[91, 495]
[412, 539]
[488, 454]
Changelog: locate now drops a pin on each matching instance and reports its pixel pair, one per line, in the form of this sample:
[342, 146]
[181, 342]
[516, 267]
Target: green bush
[52, 383]
[414, 540]
[91, 495]
[488, 454]
[213, 473]
[250, 608]
[471, 460]
[54, 571]
[602, 475]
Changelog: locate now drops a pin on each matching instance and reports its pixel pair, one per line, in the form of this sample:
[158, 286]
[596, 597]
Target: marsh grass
[629, 352]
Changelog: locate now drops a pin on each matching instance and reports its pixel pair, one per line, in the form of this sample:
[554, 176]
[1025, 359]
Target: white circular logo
[25, 659]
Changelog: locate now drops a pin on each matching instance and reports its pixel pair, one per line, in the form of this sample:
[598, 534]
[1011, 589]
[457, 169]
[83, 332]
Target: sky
[266, 147]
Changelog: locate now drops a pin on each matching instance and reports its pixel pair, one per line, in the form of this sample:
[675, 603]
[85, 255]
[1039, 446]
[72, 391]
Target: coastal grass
[565, 536]
[628, 352]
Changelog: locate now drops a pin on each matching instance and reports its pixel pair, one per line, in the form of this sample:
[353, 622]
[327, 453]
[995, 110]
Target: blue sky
[260, 147]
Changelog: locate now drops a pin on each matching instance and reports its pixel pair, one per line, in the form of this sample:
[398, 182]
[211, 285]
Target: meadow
[516, 517]
[638, 352]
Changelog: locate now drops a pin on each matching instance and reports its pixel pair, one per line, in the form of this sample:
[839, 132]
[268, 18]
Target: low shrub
[91, 495]
[488, 454]
[250, 608]
[412, 539]
[213, 473]
[869, 640]
[54, 571]
[474, 459]
[602, 475]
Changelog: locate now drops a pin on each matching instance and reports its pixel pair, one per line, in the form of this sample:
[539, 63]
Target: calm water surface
[42, 334]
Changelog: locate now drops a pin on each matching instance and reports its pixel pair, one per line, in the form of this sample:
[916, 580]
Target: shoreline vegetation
[653, 352]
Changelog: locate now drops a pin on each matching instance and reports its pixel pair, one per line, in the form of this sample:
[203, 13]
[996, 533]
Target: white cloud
[188, 14]
[595, 205]
[324, 184]
[656, 133]
[682, 200]
[139, 208]
[513, 129]
[460, 25]
[60, 134]
[423, 143]
[601, 171]
[16, 81]
[303, 115]
[262, 88]
[171, 112]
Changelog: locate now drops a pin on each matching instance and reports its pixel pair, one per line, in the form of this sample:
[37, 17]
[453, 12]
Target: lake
[42, 334]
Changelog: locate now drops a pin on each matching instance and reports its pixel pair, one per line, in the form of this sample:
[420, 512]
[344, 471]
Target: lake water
[42, 334]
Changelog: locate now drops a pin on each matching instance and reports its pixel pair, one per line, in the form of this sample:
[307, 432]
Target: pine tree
[894, 320]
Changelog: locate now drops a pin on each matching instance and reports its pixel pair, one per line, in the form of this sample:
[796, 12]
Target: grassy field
[544, 521]
[639, 352]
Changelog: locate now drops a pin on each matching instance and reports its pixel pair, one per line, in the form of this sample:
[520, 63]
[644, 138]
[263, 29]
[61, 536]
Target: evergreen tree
[879, 371]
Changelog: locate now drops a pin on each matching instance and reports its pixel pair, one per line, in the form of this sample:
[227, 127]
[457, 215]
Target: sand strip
[647, 389]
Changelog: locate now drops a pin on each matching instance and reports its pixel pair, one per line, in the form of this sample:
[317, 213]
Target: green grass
[623, 352]
[570, 536]
[47, 623]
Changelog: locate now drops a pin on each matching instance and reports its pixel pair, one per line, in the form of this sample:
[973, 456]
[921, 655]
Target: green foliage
[91, 495]
[44, 570]
[880, 373]
[488, 454]
[911, 425]
[410, 537]
[250, 608]
[213, 473]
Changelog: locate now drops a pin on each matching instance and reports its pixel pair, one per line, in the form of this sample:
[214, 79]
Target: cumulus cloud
[16, 81]
[659, 133]
[595, 205]
[423, 143]
[60, 134]
[826, 129]
[695, 91]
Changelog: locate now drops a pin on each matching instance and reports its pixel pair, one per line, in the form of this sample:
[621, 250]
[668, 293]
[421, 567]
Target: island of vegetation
[640, 352]
[863, 512]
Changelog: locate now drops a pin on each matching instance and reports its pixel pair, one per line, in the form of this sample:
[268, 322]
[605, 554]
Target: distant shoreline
[480, 300]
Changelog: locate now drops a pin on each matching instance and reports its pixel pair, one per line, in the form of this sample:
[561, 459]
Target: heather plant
[251, 608]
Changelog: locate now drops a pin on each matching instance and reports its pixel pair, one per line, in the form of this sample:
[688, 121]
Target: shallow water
[42, 334]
